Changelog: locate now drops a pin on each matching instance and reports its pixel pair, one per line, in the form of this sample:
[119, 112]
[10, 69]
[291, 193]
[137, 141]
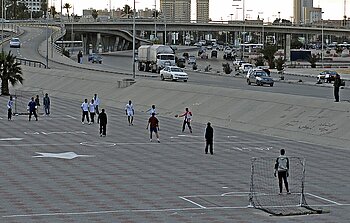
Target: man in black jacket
[337, 83]
[209, 135]
[102, 119]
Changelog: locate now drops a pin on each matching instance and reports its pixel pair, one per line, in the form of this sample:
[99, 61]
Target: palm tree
[67, 6]
[126, 10]
[94, 14]
[10, 72]
[53, 11]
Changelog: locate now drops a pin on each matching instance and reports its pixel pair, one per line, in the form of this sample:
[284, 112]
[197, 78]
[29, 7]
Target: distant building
[176, 10]
[202, 11]
[305, 13]
[33, 4]
[146, 13]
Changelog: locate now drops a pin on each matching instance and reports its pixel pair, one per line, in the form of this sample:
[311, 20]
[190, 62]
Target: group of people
[32, 107]
[90, 110]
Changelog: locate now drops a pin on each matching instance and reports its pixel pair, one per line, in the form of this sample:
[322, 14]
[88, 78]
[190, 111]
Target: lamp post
[231, 16]
[322, 45]
[133, 41]
[262, 33]
[2, 24]
[47, 34]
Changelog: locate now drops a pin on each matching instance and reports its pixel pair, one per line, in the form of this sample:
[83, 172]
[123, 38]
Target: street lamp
[133, 41]
[322, 41]
[2, 24]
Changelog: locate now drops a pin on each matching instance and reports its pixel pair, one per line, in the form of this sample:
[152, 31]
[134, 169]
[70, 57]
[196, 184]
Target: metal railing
[31, 63]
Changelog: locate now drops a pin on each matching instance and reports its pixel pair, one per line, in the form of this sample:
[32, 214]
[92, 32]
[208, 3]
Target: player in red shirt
[153, 123]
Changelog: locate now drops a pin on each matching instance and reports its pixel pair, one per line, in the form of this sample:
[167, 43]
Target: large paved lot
[126, 178]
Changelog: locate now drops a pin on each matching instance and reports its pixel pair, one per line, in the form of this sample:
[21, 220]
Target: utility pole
[133, 41]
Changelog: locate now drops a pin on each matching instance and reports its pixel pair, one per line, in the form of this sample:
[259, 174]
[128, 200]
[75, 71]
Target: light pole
[133, 41]
[262, 34]
[47, 34]
[231, 16]
[322, 45]
[2, 24]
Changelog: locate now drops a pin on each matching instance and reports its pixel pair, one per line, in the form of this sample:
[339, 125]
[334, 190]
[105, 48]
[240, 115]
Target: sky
[222, 9]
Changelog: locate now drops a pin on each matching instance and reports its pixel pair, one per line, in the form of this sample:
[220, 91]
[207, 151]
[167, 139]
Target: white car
[259, 77]
[244, 68]
[173, 73]
[15, 43]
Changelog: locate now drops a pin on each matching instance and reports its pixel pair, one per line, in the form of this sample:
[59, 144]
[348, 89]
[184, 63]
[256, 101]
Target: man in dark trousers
[32, 109]
[209, 135]
[282, 170]
[153, 123]
[337, 83]
[102, 119]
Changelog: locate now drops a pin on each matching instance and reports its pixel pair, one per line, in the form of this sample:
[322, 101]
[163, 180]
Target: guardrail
[31, 63]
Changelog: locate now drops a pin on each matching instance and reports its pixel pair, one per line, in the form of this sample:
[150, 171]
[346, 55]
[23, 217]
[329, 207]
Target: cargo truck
[155, 57]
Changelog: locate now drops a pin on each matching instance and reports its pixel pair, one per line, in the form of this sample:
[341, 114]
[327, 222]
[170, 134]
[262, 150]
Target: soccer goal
[22, 98]
[264, 188]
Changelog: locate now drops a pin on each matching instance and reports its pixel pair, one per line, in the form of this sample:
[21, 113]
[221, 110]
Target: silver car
[259, 77]
[173, 73]
[15, 43]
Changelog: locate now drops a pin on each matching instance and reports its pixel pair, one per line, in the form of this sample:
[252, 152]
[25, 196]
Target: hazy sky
[221, 9]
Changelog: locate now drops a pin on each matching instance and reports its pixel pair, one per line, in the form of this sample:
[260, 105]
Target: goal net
[22, 98]
[265, 193]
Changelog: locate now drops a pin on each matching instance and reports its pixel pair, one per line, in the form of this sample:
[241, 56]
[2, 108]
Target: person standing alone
[209, 136]
[32, 109]
[282, 170]
[337, 84]
[102, 119]
[129, 111]
[187, 119]
[153, 123]
[46, 103]
[9, 108]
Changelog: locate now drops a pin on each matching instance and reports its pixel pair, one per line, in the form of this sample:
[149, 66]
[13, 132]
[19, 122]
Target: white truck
[155, 57]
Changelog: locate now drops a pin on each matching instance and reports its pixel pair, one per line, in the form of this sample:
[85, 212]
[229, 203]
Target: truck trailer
[155, 57]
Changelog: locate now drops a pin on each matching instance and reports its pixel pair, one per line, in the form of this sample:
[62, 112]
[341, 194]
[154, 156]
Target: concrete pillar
[287, 47]
[116, 43]
[98, 41]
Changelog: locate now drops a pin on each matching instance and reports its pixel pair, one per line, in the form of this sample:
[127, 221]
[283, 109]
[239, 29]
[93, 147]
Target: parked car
[95, 58]
[191, 59]
[15, 43]
[173, 73]
[259, 77]
[326, 76]
[181, 61]
[244, 68]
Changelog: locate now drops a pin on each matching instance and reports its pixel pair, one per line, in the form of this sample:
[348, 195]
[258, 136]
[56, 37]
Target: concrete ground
[126, 178]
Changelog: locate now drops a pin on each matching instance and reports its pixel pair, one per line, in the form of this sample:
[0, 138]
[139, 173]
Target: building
[304, 12]
[176, 10]
[33, 4]
[202, 11]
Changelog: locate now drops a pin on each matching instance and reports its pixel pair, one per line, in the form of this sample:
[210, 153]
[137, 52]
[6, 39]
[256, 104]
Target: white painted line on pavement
[65, 132]
[69, 116]
[325, 199]
[66, 155]
[11, 139]
[31, 133]
[192, 202]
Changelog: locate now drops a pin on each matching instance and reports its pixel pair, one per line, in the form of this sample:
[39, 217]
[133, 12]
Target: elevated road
[209, 27]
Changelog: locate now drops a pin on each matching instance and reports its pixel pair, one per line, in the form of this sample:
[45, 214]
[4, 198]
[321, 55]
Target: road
[34, 36]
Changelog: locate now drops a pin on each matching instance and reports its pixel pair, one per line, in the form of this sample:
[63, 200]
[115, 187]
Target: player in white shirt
[152, 110]
[129, 111]
[97, 103]
[85, 108]
[9, 108]
[92, 110]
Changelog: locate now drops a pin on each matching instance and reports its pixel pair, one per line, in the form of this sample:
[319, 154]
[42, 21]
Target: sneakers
[100, 135]
[82, 123]
[158, 140]
[289, 192]
[150, 140]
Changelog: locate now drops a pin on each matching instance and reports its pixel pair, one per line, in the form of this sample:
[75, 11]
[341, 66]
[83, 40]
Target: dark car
[95, 58]
[326, 76]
